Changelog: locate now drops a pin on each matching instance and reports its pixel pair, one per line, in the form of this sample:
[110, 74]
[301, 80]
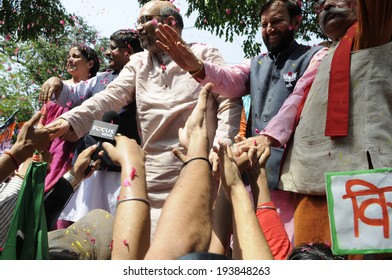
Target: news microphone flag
[102, 131]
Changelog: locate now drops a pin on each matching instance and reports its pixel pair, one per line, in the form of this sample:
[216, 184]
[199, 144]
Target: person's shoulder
[68, 82]
[196, 45]
[260, 57]
[137, 57]
[306, 48]
[205, 51]
[307, 51]
[105, 73]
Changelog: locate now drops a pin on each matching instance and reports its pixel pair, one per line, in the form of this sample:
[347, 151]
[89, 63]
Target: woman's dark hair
[89, 54]
[313, 251]
[293, 7]
[126, 38]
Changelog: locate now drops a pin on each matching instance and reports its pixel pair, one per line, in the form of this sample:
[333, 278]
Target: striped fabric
[8, 197]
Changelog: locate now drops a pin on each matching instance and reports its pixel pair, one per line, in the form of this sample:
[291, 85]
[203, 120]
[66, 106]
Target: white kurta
[165, 97]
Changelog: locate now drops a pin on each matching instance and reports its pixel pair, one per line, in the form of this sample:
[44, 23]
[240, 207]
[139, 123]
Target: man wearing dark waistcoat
[273, 77]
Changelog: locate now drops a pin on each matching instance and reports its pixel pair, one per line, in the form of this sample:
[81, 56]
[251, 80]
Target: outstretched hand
[172, 43]
[195, 129]
[31, 138]
[60, 128]
[259, 155]
[50, 87]
[230, 174]
[83, 161]
[256, 144]
[126, 149]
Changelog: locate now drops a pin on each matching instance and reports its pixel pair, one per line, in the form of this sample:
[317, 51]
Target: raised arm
[221, 224]
[131, 231]
[229, 113]
[230, 81]
[118, 93]
[266, 213]
[250, 240]
[29, 139]
[280, 128]
[185, 223]
[224, 120]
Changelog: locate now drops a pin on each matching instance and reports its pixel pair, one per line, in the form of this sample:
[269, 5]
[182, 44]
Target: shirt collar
[161, 58]
[285, 53]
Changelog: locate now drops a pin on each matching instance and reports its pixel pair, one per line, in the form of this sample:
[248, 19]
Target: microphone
[103, 131]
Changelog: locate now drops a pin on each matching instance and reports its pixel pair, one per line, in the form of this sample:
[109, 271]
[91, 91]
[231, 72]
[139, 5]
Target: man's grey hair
[172, 11]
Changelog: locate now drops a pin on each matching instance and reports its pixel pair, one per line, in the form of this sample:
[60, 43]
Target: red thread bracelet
[13, 158]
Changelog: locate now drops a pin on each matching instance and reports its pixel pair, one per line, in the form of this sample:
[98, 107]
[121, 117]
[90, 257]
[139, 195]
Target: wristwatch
[71, 179]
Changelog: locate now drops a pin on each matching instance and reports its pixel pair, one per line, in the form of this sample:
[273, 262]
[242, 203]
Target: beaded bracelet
[135, 198]
[197, 158]
[13, 158]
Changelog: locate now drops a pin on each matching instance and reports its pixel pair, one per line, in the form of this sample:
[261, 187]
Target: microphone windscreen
[111, 117]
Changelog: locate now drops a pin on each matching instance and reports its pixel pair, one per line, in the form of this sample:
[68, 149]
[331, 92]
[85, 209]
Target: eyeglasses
[147, 18]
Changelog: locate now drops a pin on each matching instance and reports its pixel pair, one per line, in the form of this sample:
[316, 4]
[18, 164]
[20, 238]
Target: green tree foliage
[35, 37]
[227, 18]
[24, 20]
[29, 56]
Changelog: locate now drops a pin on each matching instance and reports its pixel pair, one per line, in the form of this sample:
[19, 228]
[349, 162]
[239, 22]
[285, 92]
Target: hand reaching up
[125, 151]
[253, 146]
[230, 175]
[193, 136]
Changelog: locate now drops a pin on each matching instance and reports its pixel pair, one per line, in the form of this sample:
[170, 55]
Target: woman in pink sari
[82, 64]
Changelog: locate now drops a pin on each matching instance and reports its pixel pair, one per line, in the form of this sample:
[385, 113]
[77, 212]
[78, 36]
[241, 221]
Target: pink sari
[62, 151]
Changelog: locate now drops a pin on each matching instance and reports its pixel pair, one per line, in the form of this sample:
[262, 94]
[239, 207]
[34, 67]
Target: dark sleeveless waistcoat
[272, 80]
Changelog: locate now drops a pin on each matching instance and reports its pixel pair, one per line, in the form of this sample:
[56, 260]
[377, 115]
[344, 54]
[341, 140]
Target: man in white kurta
[165, 96]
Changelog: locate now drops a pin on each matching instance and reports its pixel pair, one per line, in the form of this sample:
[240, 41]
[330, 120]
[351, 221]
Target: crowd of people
[179, 182]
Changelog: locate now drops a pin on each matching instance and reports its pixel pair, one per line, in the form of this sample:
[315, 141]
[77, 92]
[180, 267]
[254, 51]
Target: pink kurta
[233, 81]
